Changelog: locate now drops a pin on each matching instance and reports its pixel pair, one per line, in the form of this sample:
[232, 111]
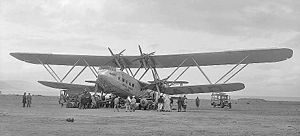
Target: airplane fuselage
[120, 83]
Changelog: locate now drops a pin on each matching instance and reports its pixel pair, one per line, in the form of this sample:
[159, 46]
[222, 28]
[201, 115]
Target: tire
[69, 105]
[229, 105]
[222, 105]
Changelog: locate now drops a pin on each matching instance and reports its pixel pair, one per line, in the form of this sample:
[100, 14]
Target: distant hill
[251, 99]
[20, 86]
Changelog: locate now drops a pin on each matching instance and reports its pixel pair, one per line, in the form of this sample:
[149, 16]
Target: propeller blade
[144, 63]
[140, 50]
[118, 63]
[122, 52]
[111, 52]
[152, 53]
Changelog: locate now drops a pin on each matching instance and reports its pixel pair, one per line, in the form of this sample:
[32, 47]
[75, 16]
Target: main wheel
[214, 105]
[222, 105]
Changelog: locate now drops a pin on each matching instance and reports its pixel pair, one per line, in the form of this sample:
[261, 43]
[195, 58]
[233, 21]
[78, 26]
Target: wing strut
[78, 74]
[181, 73]
[53, 72]
[70, 70]
[58, 79]
[90, 67]
[144, 73]
[236, 73]
[137, 71]
[177, 68]
[55, 78]
[232, 69]
[202, 71]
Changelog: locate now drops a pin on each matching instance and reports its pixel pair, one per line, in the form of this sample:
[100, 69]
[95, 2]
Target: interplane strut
[58, 79]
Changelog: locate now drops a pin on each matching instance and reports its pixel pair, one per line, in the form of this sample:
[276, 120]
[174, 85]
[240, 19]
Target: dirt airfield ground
[247, 118]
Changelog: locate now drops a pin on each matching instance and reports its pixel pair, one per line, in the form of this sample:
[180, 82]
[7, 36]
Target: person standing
[171, 103]
[160, 103]
[197, 102]
[116, 104]
[167, 104]
[133, 103]
[127, 104]
[24, 99]
[184, 104]
[179, 104]
[28, 98]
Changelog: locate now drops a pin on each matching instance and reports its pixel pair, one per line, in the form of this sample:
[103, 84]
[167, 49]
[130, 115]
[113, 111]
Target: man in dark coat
[197, 102]
[24, 99]
[160, 103]
[179, 103]
[28, 100]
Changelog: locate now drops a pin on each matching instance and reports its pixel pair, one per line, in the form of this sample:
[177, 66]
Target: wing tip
[45, 83]
[290, 53]
[23, 57]
[15, 55]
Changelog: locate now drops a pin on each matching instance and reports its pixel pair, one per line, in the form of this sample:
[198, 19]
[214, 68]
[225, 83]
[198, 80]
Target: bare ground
[247, 117]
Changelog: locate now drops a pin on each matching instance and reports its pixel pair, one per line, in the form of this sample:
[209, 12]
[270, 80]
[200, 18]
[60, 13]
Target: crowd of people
[86, 100]
[27, 100]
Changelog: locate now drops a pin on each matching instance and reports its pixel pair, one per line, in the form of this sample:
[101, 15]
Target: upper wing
[163, 61]
[203, 88]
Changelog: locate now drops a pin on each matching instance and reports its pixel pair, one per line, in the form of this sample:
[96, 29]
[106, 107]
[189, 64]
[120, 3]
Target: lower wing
[59, 85]
[230, 87]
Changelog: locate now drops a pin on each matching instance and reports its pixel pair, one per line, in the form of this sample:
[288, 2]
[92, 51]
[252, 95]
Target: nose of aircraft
[102, 76]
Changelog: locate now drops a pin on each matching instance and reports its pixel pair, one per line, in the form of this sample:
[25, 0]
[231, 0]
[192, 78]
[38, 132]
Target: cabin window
[129, 84]
[123, 79]
[126, 81]
[132, 85]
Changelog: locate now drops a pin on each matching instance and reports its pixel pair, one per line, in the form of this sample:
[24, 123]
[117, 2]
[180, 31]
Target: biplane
[117, 74]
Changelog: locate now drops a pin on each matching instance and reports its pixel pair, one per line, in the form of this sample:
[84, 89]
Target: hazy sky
[167, 27]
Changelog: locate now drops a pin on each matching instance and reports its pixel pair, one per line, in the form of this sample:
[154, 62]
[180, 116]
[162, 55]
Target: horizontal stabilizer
[230, 87]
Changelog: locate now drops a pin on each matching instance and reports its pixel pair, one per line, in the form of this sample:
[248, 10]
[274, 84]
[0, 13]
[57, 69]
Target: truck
[220, 100]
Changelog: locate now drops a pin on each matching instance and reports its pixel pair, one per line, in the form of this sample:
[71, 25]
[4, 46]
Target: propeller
[144, 58]
[117, 58]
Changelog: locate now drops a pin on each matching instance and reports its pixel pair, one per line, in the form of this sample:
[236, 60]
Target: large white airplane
[114, 81]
